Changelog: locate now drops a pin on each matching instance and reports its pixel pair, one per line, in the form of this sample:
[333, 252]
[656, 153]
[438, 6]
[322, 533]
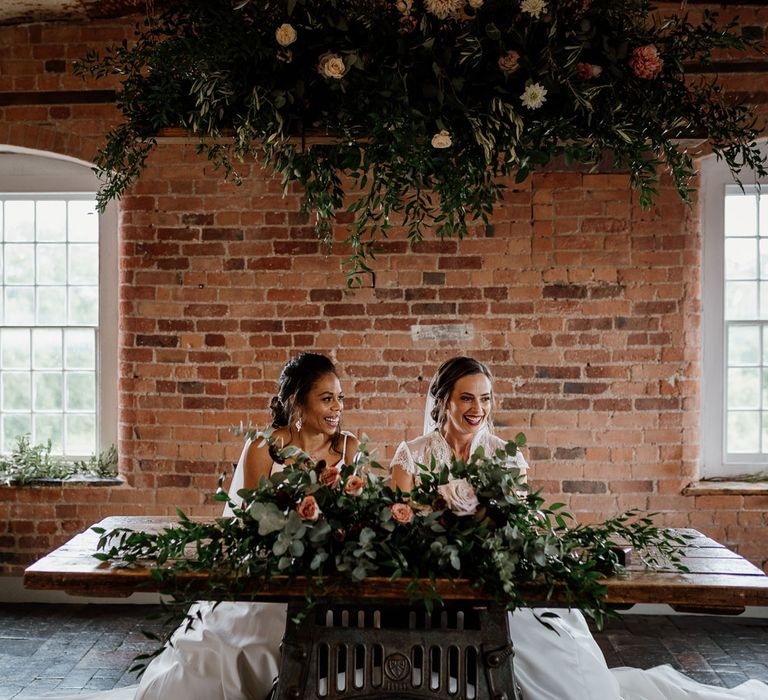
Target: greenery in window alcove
[428, 102]
[28, 463]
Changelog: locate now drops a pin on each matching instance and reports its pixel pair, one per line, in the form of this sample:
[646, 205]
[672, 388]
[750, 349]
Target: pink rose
[646, 62]
[460, 497]
[587, 71]
[330, 477]
[401, 513]
[331, 65]
[354, 485]
[308, 508]
[509, 62]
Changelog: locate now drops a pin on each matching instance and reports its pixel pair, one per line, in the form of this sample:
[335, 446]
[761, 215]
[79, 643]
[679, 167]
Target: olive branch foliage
[214, 67]
[28, 463]
[519, 550]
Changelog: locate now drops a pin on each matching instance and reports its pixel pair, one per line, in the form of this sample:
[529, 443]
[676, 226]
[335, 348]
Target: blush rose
[354, 485]
[330, 477]
[401, 513]
[646, 62]
[308, 508]
[460, 497]
[331, 65]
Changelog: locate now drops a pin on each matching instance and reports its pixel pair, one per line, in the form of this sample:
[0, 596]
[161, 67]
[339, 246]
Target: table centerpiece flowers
[331, 528]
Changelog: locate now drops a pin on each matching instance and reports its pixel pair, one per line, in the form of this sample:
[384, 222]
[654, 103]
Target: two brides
[232, 651]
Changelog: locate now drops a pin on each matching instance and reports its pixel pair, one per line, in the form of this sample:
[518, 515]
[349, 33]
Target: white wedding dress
[570, 665]
[233, 652]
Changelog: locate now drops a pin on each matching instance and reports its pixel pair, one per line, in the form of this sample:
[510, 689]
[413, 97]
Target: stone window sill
[726, 488]
[84, 480]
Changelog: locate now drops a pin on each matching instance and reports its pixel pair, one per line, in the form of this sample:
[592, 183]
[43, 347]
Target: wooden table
[386, 658]
[719, 580]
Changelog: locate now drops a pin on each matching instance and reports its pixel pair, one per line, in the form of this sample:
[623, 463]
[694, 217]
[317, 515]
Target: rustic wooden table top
[719, 580]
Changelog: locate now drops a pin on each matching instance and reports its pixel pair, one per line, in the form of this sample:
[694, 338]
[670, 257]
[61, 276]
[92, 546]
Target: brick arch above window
[53, 142]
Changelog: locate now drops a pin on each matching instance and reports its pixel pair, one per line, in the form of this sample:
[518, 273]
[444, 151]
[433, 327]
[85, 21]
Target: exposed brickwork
[586, 307]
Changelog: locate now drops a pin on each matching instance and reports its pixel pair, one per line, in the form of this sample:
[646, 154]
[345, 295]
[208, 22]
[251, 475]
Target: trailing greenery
[470, 519]
[427, 103]
[28, 463]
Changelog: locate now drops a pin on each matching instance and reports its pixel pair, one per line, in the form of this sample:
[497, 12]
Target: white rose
[285, 35]
[442, 139]
[331, 65]
[460, 497]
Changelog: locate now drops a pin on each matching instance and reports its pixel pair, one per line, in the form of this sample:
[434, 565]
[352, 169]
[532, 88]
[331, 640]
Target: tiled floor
[75, 648]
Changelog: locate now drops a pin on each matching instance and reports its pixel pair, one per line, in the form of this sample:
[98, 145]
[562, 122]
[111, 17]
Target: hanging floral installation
[411, 113]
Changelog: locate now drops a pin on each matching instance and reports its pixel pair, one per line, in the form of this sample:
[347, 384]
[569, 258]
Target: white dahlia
[442, 9]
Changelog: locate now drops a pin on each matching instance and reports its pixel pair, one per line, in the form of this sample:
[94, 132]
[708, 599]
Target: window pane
[48, 427]
[46, 348]
[52, 263]
[51, 220]
[81, 434]
[51, 306]
[740, 300]
[743, 388]
[19, 220]
[740, 215]
[80, 349]
[16, 391]
[19, 263]
[763, 215]
[740, 258]
[49, 276]
[84, 306]
[763, 300]
[743, 345]
[84, 263]
[81, 391]
[14, 348]
[48, 389]
[19, 305]
[743, 432]
[13, 426]
[83, 221]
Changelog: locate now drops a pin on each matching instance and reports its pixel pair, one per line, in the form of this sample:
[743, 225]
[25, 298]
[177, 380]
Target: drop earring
[298, 424]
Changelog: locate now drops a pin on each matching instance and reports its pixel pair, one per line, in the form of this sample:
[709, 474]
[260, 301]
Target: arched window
[734, 323]
[58, 305]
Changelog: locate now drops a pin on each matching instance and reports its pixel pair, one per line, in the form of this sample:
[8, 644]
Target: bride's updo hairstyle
[445, 379]
[296, 380]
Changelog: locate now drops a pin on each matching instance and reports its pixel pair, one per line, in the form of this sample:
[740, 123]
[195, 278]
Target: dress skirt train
[233, 654]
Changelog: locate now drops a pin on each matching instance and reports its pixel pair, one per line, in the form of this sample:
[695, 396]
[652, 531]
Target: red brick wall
[586, 307]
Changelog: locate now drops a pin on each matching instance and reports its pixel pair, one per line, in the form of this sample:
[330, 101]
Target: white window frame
[29, 171]
[715, 177]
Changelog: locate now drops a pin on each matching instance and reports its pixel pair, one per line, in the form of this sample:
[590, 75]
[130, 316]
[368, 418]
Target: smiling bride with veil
[564, 663]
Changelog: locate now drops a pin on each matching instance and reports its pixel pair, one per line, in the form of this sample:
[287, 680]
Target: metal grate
[394, 651]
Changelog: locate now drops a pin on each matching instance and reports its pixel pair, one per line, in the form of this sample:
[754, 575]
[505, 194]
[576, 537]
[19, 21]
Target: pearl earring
[298, 424]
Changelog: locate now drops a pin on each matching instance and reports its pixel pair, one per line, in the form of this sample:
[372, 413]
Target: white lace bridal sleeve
[404, 459]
